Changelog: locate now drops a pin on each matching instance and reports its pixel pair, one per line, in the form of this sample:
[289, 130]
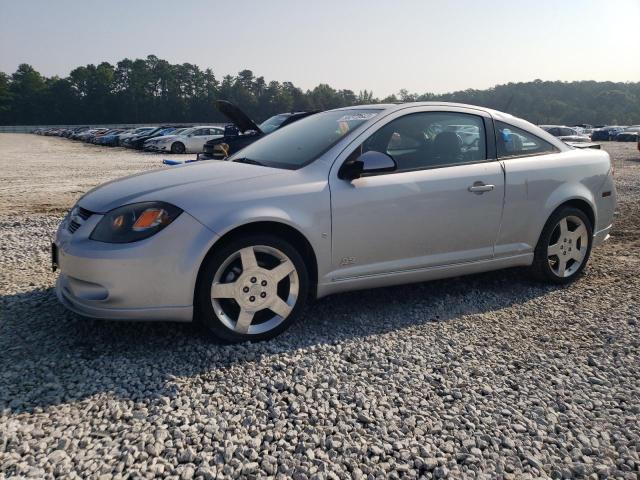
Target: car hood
[177, 185]
[237, 116]
[142, 138]
[162, 138]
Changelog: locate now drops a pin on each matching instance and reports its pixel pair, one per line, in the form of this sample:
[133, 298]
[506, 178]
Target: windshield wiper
[247, 160]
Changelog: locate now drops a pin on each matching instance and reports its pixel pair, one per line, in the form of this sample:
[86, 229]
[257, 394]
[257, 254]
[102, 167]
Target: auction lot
[486, 376]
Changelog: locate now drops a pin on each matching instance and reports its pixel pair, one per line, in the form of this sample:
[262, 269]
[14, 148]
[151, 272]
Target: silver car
[351, 198]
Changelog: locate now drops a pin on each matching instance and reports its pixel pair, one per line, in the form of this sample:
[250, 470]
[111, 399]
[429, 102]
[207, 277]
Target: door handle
[480, 187]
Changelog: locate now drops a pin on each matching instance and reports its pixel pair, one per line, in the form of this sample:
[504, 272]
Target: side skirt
[422, 274]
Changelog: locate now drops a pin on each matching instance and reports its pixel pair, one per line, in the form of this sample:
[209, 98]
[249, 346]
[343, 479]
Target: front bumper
[153, 279]
[156, 148]
[601, 236]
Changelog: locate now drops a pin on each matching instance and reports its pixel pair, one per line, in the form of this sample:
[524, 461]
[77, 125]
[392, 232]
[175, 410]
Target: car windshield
[187, 131]
[305, 140]
[271, 124]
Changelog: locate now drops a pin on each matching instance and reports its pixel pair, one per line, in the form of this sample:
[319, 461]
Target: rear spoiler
[597, 146]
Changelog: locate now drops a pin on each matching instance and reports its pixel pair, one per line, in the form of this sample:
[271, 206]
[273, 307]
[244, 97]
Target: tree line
[153, 90]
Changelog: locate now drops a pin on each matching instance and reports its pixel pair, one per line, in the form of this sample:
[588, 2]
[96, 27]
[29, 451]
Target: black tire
[177, 147]
[204, 310]
[541, 268]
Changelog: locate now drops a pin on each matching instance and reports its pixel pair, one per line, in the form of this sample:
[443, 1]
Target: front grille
[83, 213]
[73, 226]
[76, 215]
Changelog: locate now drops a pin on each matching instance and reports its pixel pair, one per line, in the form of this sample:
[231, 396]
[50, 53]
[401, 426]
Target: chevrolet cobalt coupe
[352, 198]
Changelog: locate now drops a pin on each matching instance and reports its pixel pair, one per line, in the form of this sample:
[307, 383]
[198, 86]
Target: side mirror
[369, 163]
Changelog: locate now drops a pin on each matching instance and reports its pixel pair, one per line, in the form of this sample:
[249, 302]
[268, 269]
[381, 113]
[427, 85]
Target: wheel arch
[574, 194]
[580, 203]
[273, 227]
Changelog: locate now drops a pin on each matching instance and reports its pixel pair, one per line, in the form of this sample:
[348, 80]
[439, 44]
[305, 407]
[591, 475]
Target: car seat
[447, 148]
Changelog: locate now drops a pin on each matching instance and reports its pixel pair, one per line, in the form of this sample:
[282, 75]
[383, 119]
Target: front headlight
[134, 222]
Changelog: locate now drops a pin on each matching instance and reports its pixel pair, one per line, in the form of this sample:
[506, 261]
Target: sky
[378, 45]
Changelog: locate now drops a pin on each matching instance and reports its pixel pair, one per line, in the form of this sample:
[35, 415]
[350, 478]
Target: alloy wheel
[568, 246]
[255, 289]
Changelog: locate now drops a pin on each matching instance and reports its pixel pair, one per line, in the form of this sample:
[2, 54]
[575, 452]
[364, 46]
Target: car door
[201, 137]
[442, 205]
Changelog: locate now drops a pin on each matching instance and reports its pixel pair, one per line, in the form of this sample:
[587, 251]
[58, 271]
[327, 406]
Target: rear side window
[515, 142]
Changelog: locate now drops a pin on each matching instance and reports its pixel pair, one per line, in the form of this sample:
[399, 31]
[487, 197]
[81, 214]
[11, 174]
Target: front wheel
[177, 147]
[564, 246]
[252, 288]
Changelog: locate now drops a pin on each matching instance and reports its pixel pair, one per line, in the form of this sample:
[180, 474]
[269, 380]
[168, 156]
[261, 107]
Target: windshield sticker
[343, 128]
[357, 117]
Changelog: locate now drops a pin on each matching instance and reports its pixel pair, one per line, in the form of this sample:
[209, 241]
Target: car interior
[430, 139]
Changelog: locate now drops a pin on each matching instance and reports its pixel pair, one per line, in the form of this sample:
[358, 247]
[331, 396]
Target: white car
[151, 145]
[190, 140]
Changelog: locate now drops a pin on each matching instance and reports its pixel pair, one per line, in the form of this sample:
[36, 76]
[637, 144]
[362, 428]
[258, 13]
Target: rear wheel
[177, 147]
[564, 246]
[252, 288]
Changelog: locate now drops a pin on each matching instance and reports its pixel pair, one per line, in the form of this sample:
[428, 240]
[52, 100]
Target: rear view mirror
[369, 163]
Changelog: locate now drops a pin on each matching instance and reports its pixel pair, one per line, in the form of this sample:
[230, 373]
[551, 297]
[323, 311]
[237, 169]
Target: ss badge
[347, 261]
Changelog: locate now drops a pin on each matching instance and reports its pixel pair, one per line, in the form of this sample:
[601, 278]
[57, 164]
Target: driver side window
[430, 140]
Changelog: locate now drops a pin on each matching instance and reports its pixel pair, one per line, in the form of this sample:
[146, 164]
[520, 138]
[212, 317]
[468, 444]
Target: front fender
[234, 219]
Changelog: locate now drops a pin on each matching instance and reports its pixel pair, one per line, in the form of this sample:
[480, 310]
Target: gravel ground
[488, 376]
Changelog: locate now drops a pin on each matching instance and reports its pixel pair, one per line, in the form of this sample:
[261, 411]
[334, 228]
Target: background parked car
[244, 131]
[149, 145]
[123, 137]
[606, 133]
[566, 134]
[111, 139]
[99, 135]
[137, 141]
[189, 140]
[629, 134]
[87, 135]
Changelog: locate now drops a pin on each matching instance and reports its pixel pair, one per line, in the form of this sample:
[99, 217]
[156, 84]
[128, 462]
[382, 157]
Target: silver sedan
[347, 199]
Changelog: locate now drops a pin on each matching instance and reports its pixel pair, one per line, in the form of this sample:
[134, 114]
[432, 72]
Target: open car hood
[237, 116]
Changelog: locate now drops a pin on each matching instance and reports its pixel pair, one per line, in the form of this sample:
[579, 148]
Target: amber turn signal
[150, 218]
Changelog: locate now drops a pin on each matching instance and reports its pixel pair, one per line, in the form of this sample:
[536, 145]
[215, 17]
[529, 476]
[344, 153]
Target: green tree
[155, 91]
[5, 98]
[27, 90]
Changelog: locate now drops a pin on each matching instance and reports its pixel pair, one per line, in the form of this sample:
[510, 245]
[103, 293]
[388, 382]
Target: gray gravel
[486, 376]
